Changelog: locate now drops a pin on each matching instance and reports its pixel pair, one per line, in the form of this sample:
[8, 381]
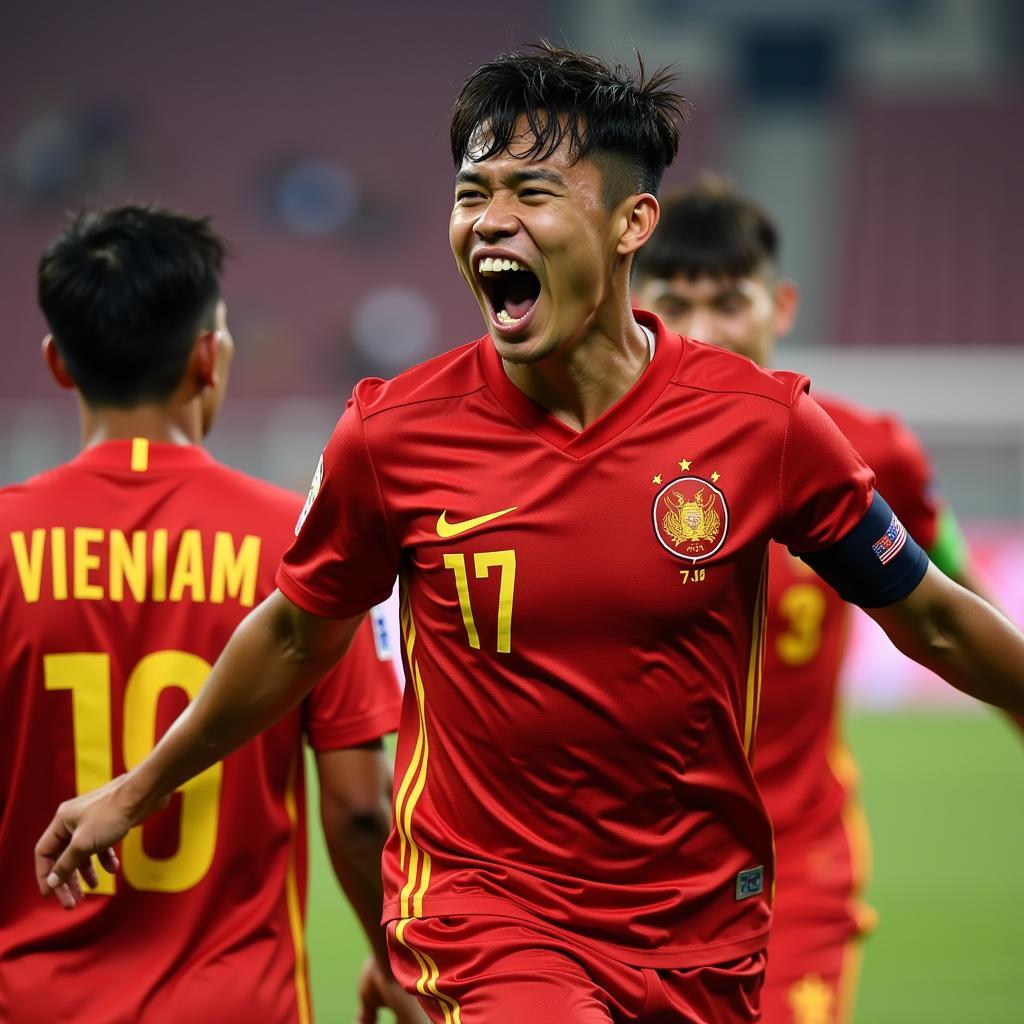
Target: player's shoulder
[880, 437]
[252, 493]
[17, 499]
[711, 368]
[451, 375]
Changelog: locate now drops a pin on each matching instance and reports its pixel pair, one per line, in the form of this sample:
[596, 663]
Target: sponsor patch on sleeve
[314, 490]
[381, 633]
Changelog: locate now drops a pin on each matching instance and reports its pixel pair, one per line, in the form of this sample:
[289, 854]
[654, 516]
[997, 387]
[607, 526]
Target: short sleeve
[824, 486]
[358, 701]
[344, 558]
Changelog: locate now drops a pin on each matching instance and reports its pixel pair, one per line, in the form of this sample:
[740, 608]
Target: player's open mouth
[511, 290]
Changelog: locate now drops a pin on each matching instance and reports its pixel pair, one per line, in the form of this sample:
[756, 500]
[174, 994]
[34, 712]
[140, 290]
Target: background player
[578, 833]
[710, 272]
[122, 574]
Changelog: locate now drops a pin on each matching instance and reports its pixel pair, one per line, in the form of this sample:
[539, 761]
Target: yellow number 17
[483, 562]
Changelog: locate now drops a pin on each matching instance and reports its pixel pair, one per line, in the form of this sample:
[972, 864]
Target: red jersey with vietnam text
[122, 575]
[806, 776]
[583, 618]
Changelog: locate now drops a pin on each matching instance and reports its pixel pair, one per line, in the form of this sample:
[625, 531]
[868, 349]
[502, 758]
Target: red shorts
[818, 926]
[812, 975]
[497, 970]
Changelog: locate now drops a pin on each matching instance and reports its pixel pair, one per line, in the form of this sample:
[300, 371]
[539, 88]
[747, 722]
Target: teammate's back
[124, 573]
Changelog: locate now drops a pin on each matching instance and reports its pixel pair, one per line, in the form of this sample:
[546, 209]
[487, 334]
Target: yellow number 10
[87, 677]
[483, 562]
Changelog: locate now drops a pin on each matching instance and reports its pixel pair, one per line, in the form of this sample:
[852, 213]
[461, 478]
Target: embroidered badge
[314, 490]
[691, 518]
[890, 544]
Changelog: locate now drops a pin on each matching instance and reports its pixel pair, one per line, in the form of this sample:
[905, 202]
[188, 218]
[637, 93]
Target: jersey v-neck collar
[160, 456]
[618, 418]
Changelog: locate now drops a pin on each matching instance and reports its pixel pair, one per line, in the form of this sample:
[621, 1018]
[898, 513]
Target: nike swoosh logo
[446, 529]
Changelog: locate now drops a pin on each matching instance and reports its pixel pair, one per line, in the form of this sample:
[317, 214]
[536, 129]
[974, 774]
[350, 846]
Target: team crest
[314, 490]
[691, 518]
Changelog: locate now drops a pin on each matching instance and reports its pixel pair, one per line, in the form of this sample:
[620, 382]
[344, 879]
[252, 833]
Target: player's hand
[378, 989]
[89, 824]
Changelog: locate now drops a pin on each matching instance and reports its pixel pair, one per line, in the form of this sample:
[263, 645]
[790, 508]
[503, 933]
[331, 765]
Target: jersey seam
[376, 478]
[418, 401]
[733, 391]
[779, 497]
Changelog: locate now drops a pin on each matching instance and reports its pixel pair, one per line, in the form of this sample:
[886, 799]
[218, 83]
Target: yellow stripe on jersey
[429, 977]
[413, 782]
[140, 455]
[849, 979]
[858, 836]
[291, 888]
[755, 668]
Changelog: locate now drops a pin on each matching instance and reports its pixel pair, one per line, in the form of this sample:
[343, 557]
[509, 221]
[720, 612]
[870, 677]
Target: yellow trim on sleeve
[140, 455]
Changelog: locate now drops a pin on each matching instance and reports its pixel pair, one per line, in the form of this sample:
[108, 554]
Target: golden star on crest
[684, 463]
[715, 476]
[811, 1001]
[657, 479]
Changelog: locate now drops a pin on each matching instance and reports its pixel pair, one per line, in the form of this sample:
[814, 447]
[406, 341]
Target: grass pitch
[944, 796]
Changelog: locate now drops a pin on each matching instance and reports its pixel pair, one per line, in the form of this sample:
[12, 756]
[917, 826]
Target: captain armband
[876, 564]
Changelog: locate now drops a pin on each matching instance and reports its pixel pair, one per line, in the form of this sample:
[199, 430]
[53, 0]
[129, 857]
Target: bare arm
[355, 808]
[271, 661]
[960, 637]
[967, 577]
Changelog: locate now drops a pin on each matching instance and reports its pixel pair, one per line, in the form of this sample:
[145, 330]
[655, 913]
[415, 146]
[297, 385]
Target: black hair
[709, 230]
[625, 122]
[125, 291]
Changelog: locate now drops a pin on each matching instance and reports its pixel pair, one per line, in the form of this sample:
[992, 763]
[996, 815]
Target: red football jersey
[583, 618]
[122, 575]
[806, 776]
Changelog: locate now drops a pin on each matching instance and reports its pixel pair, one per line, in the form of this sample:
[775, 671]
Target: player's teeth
[506, 318]
[490, 265]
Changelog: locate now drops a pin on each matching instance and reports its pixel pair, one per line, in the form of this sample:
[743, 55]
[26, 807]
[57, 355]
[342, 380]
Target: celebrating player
[711, 272]
[122, 574]
[580, 504]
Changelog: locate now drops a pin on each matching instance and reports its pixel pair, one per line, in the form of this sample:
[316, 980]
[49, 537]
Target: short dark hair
[125, 291]
[709, 230]
[623, 121]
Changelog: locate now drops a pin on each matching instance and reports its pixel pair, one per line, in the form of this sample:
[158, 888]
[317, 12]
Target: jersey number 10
[87, 677]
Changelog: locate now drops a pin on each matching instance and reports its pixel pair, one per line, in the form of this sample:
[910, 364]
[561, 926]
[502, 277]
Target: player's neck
[159, 423]
[584, 380]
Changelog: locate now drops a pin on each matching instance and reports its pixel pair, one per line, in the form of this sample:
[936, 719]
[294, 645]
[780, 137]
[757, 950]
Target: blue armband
[876, 564]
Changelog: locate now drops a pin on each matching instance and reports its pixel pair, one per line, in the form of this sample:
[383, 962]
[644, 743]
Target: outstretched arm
[271, 661]
[960, 637]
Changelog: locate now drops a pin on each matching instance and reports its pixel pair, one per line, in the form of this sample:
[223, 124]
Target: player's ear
[637, 217]
[55, 364]
[787, 302]
[203, 361]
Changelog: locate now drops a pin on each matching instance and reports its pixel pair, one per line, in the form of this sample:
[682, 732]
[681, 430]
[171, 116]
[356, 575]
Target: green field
[944, 796]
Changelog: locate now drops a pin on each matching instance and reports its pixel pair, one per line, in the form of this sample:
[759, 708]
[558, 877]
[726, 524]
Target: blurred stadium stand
[884, 134]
